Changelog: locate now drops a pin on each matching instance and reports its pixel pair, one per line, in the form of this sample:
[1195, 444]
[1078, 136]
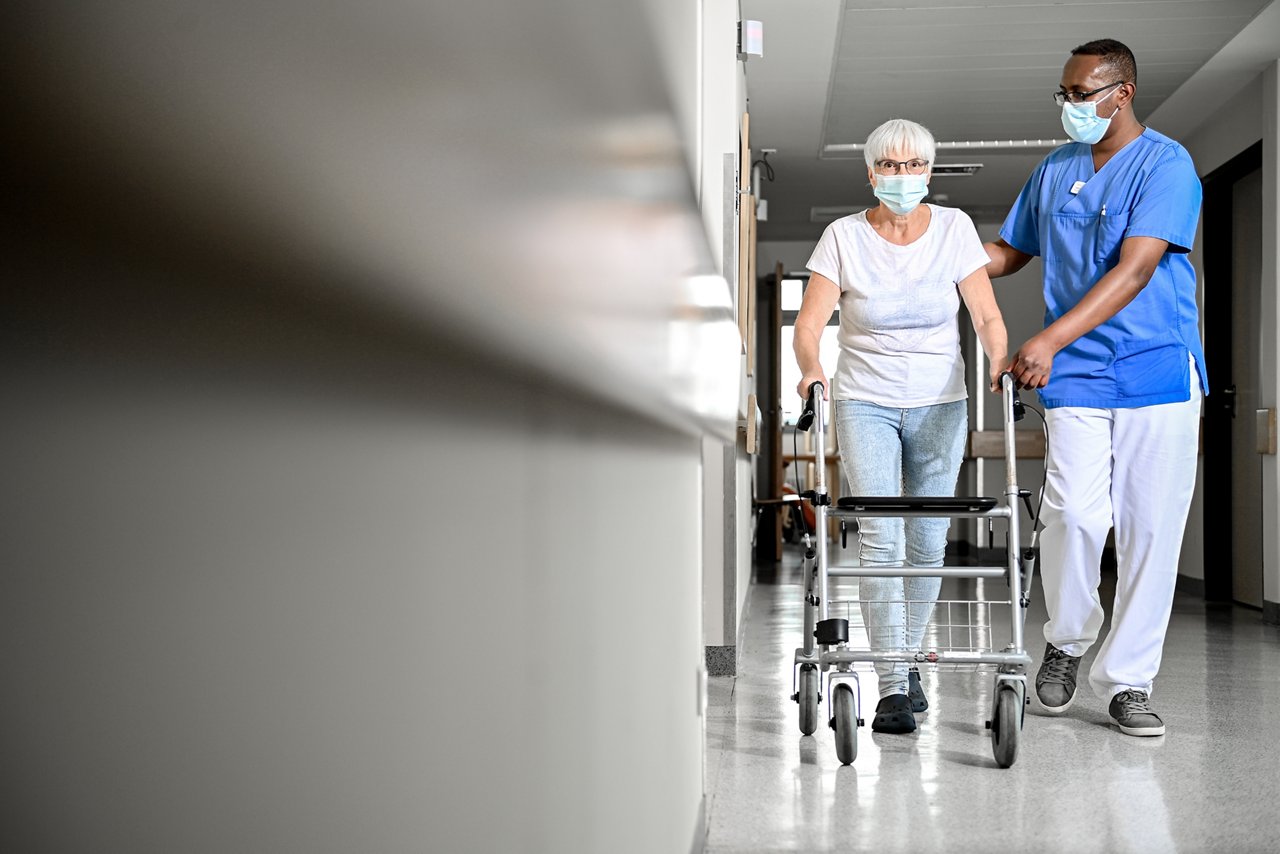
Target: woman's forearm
[806, 346]
[995, 340]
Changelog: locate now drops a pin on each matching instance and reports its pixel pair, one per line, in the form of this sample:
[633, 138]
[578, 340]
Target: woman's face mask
[901, 193]
[1082, 122]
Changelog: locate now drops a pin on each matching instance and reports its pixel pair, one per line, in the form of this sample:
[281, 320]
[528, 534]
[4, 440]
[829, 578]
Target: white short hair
[900, 135]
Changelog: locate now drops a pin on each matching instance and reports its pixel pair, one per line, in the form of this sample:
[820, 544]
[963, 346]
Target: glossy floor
[1211, 784]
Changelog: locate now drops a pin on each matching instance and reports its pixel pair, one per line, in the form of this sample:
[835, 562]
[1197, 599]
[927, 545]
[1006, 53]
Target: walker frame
[826, 651]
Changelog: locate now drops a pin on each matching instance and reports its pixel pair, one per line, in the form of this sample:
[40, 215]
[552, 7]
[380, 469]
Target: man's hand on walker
[1033, 363]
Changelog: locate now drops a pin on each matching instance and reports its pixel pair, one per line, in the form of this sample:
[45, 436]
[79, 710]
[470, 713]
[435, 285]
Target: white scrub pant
[1134, 469]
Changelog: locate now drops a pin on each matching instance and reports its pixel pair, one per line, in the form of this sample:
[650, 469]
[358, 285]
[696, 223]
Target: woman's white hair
[900, 135]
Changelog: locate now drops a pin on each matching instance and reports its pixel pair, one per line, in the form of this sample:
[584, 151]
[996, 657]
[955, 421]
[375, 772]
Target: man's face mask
[1082, 122]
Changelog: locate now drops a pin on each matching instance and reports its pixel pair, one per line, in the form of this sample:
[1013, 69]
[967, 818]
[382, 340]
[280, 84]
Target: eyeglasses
[1080, 97]
[893, 167]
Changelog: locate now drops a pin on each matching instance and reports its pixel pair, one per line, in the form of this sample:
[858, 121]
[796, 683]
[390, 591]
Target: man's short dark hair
[1114, 55]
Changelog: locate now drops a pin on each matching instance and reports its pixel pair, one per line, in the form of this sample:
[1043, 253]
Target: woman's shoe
[919, 702]
[893, 715]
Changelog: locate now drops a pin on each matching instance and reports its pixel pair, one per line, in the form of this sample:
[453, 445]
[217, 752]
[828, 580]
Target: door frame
[1216, 241]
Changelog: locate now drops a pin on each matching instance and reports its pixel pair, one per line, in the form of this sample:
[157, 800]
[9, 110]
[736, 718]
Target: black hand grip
[1019, 411]
[805, 421]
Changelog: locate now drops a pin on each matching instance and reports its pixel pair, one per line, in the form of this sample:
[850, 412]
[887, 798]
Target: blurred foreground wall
[355, 367]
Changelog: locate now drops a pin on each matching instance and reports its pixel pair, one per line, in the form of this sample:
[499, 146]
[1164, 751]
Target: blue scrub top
[1149, 188]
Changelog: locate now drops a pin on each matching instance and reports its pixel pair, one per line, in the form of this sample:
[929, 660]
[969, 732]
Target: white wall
[793, 254]
[727, 559]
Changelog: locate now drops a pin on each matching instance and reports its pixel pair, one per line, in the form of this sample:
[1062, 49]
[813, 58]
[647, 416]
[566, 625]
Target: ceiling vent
[940, 169]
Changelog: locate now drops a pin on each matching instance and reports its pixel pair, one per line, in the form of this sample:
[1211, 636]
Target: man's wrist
[1053, 336]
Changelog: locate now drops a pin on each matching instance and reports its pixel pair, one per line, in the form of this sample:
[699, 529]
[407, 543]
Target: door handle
[1229, 399]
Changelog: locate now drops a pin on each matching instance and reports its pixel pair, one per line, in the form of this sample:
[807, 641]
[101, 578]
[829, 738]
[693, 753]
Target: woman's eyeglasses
[893, 167]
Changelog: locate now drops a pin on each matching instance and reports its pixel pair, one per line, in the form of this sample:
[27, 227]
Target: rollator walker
[827, 650]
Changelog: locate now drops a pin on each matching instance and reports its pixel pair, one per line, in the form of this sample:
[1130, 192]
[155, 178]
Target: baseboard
[722, 660]
[1193, 587]
[700, 829]
[1271, 613]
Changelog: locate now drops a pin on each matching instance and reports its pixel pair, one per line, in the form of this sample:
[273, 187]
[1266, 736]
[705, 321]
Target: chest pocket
[1110, 234]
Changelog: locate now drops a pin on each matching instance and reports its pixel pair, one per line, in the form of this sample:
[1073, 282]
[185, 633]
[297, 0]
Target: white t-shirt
[899, 330]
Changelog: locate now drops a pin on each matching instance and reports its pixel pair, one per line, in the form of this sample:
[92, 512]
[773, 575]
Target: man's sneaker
[1131, 710]
[1056, 680]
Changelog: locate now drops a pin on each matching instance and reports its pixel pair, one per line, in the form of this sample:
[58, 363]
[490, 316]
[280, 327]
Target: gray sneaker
[1056, 680]
[1131, 710]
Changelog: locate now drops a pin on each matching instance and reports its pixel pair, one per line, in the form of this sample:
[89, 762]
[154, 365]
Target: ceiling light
[846, 149]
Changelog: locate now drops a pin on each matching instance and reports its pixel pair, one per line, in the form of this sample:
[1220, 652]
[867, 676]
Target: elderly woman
[899, 271]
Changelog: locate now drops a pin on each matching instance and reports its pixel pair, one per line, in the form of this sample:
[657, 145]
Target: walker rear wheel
[808, 698]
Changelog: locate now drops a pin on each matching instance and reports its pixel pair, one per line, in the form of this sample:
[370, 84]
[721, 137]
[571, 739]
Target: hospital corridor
[667, 427]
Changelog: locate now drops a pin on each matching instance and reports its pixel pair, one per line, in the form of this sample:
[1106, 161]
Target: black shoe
[919, 702]
[893, 715]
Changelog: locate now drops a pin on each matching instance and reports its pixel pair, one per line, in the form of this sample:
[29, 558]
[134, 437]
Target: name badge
[1077, 187]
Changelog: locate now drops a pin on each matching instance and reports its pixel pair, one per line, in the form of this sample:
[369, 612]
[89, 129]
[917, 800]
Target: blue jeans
[889, 451]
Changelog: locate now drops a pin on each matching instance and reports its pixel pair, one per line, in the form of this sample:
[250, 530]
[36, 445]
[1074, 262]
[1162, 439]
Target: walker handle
[1019, 411]
[805, 421]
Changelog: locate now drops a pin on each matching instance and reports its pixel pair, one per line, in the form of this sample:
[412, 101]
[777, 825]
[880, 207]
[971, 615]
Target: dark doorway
[1232, 467]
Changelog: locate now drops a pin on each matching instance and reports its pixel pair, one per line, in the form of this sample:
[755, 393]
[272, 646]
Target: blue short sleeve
[1168, 204]
[1021, 228]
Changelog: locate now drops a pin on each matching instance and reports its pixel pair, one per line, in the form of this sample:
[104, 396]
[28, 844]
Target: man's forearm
[1104, 301]
[1005, 260]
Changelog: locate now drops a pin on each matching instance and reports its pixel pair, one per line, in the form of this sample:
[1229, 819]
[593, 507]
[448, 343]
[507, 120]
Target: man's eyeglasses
[1061, 97]
[893, 167]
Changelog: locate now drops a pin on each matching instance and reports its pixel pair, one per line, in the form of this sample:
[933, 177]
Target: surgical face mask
[1082, 122]
[901, 193]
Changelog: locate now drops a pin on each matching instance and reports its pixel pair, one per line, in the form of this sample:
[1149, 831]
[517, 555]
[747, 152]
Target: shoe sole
[1140, 731]
[1052, 710]
[895, 722]
[892, 724]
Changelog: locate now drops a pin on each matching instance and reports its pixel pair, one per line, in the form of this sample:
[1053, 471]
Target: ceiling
[833, 70]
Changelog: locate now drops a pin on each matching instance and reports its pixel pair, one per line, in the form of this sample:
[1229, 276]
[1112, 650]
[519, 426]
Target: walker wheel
[808, 698]
[1006, 723]
[845, 725]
